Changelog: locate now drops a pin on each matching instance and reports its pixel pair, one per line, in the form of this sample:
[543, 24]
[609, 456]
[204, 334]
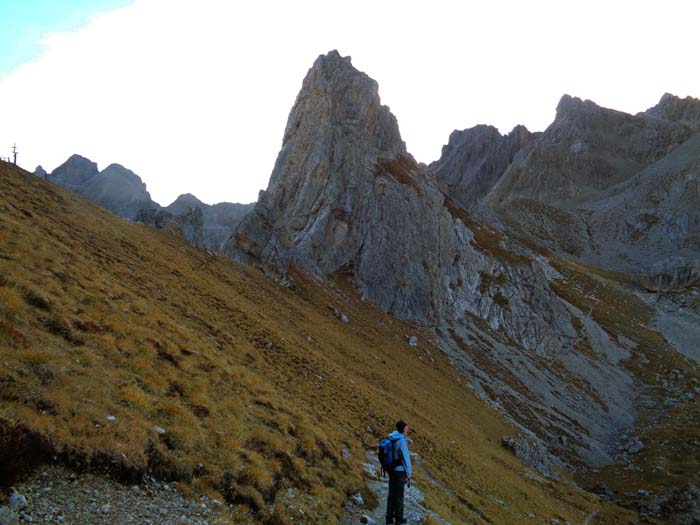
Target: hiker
[399, 475]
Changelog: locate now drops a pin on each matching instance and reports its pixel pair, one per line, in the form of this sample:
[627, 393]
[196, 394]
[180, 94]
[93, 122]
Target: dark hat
[400, 425]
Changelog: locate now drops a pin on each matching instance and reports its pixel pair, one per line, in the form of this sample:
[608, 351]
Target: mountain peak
[337, 133]
[116, 167]
[670, 98]
[74, 172]
[187, 197]
[675, 109]
[569, 105]
[75, 157]
[475, 158]
[118, 172]
[480, 130]
[333, 56]
[519, 129]
[336, 95]
[329, 67]
[184, 202]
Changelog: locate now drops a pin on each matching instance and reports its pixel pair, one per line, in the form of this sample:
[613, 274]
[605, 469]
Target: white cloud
[194, 96]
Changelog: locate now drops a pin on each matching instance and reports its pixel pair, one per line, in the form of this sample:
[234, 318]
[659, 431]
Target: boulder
[531, 451]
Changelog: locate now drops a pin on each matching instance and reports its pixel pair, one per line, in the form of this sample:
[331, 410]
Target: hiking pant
[394, 501]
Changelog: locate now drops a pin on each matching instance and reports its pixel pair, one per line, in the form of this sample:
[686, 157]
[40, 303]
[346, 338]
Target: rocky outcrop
[680, 506]
[337, 134]
[203, 225]
[474, 159]
[531, 451]
[219, 220]
[673, 274]
[189, 224]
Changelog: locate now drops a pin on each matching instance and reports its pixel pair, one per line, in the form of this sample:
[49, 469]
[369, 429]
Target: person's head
[402, 426]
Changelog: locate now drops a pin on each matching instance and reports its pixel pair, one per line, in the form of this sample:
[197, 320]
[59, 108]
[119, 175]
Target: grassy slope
[259, 384]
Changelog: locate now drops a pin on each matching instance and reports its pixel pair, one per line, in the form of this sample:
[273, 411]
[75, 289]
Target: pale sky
[193, 96]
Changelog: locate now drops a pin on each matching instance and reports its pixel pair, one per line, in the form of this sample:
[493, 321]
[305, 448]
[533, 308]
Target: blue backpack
[389, 457]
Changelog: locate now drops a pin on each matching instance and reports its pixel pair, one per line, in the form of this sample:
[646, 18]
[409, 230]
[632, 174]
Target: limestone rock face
[189, 224]
[336, 134]
[650, 224]
[674, 273]
[221, 219]
[474, 159]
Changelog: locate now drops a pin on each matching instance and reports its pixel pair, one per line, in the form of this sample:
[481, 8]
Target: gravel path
[414, 511]
[54, 494]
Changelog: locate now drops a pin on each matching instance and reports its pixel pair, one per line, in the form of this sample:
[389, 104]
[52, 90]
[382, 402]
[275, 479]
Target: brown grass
[259, 387]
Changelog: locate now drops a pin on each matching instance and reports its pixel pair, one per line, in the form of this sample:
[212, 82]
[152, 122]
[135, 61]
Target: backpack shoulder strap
[397, 450]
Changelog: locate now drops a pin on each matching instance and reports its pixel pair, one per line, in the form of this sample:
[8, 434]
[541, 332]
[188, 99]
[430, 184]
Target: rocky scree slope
[525, 328]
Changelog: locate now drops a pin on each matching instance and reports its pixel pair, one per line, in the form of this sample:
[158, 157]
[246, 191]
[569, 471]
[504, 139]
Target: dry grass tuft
[401, 169]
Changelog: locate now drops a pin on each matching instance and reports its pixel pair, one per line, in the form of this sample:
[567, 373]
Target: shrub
[57, 325]
[37, 300]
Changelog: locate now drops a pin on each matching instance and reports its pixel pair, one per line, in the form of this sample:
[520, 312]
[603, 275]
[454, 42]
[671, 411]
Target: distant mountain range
[122, 191]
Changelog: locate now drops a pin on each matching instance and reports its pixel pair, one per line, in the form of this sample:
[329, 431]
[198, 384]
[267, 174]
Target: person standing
[399, 475]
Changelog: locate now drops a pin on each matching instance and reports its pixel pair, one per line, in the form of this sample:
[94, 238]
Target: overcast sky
[193, 96]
